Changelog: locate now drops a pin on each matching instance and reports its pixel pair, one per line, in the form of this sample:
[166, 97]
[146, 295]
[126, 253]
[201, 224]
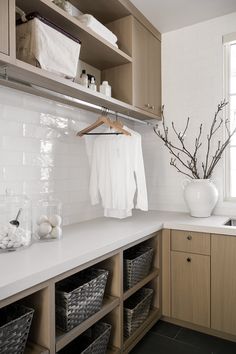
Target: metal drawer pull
[189, 237]
[189, 259]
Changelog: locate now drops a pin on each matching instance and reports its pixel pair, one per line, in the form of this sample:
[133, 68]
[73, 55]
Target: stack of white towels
[89, 21]
[96, 26]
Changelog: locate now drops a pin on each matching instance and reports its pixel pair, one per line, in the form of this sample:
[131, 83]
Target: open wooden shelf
[152, 275]
[64, 338]
[30, 75]
[153, 317]
[105, 11]
[32, 348]
[95, 50]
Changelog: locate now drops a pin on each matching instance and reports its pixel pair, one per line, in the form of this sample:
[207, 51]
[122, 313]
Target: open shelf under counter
[152, 275]
[130, 342]
[64, 338]
[52, 84]
[95, 50]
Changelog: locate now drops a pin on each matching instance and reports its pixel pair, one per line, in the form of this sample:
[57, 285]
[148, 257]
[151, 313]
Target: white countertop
[86, 241]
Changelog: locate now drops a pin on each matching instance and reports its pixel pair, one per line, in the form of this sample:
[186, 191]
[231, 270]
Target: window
[230, 94]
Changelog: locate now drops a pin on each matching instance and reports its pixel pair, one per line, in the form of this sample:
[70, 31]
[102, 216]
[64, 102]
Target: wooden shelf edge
[154, 273]
[33, 348]
[26, 75]
[63, 339]
[154, 316]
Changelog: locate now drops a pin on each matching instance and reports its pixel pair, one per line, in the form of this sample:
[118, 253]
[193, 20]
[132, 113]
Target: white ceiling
[169, 15]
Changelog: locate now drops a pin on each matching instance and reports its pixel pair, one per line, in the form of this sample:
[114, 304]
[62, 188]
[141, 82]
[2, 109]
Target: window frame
[228, 40]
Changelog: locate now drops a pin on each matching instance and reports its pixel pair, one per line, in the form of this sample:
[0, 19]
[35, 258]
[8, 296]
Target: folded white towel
[96, 26]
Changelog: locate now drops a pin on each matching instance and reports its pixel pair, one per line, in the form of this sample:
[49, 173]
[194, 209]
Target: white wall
[40, 154]
[192, 69]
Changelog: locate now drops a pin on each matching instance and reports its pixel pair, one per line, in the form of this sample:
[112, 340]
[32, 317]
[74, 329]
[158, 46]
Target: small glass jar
[15, 222]
[48, 220]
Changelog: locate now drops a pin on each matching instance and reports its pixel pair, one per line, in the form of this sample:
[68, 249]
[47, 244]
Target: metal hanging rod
[7, 81]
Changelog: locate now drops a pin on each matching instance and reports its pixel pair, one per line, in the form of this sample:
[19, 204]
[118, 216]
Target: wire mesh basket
[137, 264]
[136, 310]
[93, 341]
[15, 322]
[79, 297]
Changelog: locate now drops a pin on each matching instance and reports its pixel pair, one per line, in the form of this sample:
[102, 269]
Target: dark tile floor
[165, 338]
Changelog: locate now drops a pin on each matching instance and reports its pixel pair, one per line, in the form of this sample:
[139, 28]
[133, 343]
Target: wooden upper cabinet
[223, 283]
[146, 69]
[190, 285]
[4, 26]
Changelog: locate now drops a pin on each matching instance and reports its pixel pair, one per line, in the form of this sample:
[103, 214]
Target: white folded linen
[96, 26]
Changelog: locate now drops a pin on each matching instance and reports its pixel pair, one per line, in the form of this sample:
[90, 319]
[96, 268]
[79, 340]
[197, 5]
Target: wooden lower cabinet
[190, 288]
[223, 283]
[46, 338]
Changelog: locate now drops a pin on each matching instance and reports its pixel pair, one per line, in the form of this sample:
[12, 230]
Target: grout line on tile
[178, 332]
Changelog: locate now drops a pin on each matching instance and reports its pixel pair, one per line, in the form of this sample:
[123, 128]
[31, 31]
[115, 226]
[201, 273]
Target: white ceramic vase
[201, 196]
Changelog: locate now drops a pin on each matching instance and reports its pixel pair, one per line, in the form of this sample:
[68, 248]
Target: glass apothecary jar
[48, 219]
[15, 222]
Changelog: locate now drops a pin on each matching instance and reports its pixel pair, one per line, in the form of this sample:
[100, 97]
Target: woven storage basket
[136, 310]
[15, 322]
[137, 264]
[93, 341]
[79, 297]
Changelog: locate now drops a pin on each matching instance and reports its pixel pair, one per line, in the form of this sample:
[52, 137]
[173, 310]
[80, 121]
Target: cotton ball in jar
[44, 229]
[56, 232]
[42, 219]
[55, 220]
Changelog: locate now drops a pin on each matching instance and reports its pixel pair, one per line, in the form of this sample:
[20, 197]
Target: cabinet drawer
[193, 242]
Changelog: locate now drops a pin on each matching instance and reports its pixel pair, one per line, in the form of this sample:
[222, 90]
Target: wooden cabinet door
[4, 26]
[140, 65]
[146, 69]
[190, 284]
[154, 74]
[223, 283]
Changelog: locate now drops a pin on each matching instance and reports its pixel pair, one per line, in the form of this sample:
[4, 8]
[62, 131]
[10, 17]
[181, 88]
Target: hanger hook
[104, 111]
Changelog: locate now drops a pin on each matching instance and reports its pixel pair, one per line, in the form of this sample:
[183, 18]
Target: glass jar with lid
[48, 219]
[15, 222]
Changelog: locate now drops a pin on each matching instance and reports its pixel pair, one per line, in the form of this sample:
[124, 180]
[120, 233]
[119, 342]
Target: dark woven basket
[79, 297]
[136, 310]
[15, 322]
[93, 341]
[137, 264]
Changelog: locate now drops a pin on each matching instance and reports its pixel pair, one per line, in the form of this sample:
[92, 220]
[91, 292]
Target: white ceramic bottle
[105, 88]
[92, 84]
[83, 79]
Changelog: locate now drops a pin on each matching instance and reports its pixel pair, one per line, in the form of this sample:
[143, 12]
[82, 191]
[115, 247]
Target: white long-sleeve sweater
[117, 173]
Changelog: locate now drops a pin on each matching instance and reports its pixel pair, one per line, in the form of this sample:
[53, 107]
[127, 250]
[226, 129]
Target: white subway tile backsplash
[40, 154]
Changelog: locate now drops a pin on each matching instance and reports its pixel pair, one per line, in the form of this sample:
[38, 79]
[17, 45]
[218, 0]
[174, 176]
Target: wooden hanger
[118, 126]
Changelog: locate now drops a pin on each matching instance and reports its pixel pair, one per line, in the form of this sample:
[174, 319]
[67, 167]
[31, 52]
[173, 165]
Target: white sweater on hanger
[117, 173]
